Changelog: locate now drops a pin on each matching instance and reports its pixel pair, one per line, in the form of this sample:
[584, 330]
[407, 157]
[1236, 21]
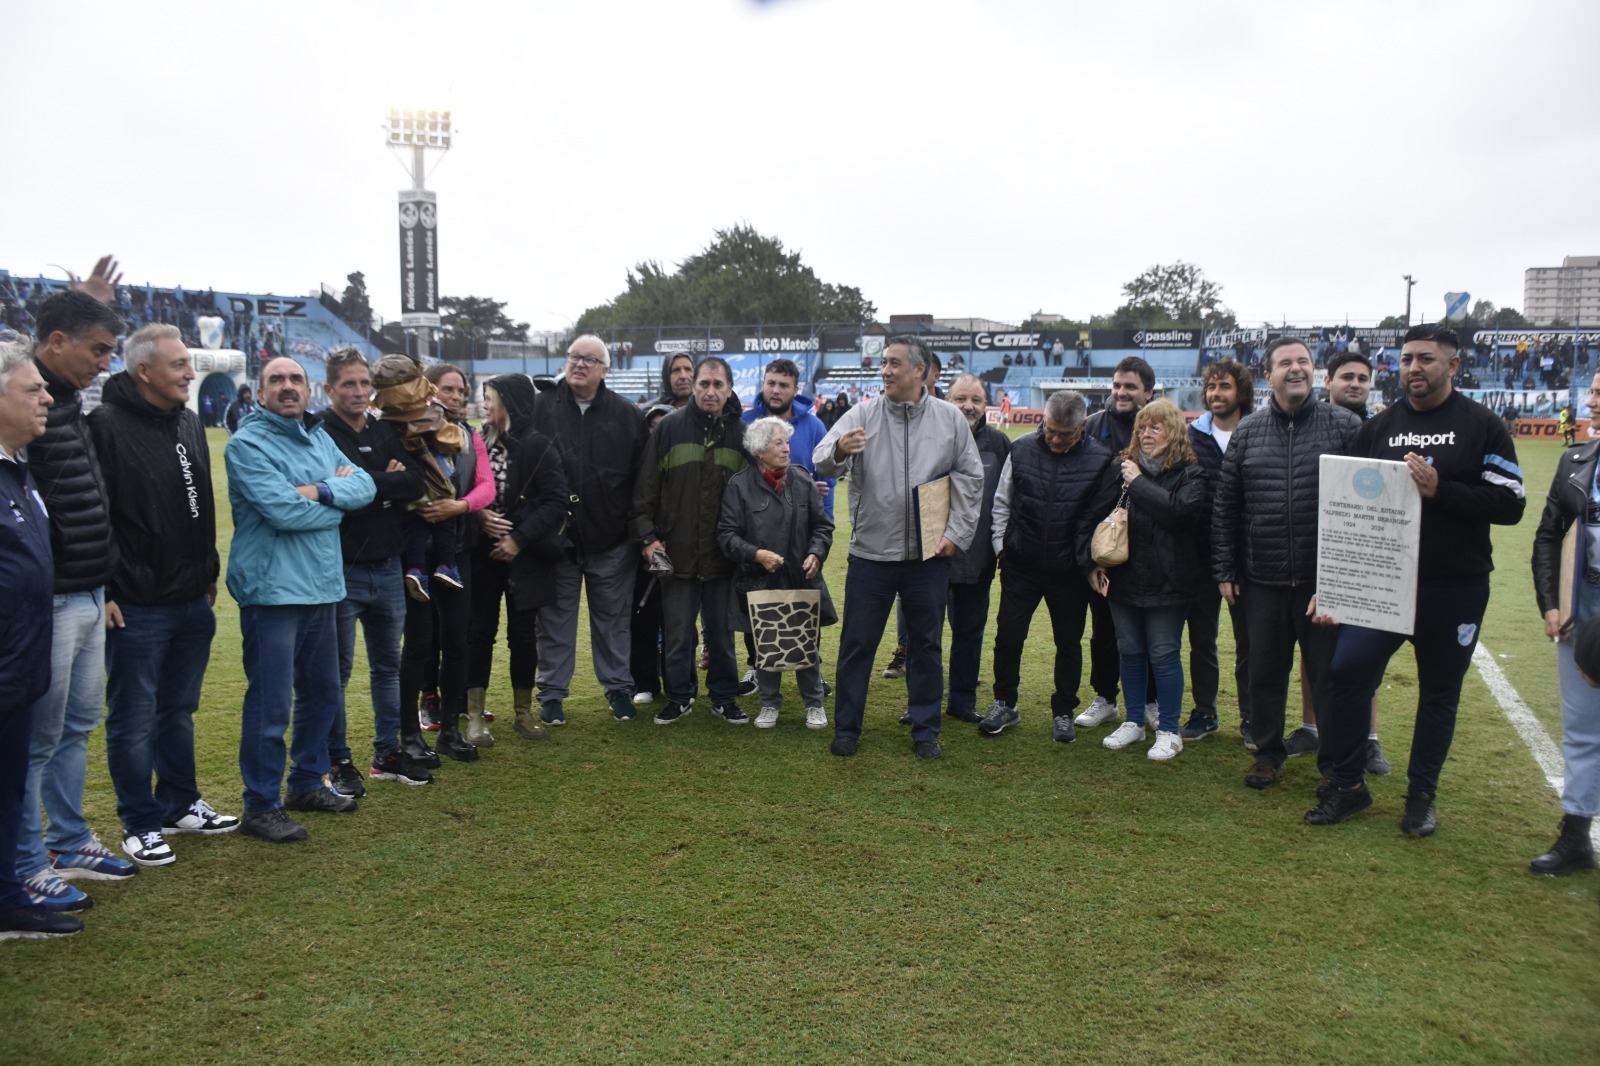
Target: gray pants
[770, 684]
[609, 576]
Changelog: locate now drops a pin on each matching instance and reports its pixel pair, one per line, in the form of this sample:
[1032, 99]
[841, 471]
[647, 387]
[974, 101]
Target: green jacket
[677, 497]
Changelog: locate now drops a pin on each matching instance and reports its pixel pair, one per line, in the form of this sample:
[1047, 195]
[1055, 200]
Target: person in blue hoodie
[289, 486]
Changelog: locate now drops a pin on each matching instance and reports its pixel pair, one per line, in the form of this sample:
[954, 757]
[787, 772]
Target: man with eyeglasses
[600, 437]
[1465, 468]
[1039, 508]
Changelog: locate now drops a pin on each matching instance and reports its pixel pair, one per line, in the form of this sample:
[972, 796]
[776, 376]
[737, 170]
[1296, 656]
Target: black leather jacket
[1565, 504]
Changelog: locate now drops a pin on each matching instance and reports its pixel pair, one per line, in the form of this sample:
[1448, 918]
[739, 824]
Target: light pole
[1410, 284]
[422, 132]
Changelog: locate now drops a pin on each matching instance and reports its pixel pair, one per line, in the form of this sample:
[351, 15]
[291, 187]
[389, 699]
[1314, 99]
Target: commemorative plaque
[1370, 524]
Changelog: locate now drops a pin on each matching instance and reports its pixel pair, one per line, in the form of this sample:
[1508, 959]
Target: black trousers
[490, 582]
[1105, 662]
[1275, 617]
[1205, 672]
[1066, 597]
[443, 619]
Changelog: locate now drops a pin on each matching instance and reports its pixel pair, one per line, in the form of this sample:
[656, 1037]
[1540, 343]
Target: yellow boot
[527, 723]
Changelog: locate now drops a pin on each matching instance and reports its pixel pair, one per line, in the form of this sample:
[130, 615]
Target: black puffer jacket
[64, 465]
[1050, 497]
[157, 470]
[599, 452]
[975, 564]
[1166, 511]
[1264, 507]
[1565, 504]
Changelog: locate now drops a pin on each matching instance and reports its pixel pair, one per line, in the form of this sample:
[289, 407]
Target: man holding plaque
[902, 442]
[1465, 469]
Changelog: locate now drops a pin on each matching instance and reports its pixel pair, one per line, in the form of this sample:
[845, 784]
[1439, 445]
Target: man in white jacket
[887, 448]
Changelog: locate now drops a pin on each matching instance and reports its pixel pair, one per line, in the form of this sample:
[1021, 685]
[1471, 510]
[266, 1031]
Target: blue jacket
[286, 547]
[26, 588]
[808, 433]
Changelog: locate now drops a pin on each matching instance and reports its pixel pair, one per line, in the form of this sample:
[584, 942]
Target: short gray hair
[763, 433]
[589, 340]
[15, 350]
[140, 348]
[1065, 407]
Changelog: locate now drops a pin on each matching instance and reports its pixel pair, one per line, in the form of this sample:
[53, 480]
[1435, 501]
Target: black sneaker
[1301, 742]
[321, 801]
[843, 746]
[424, 756]
[747, 683]
[1199, 725]
[730, 713]
[1420, 820]
[897, 665]
[1001, 716]
[398, 766]
[672, 712]
[36, 923]
[275, 826]
[345, 779]
[928, 749]
[1339, 805]
[622, 708]
[906, 719]
[969, 715]
[1062, 730]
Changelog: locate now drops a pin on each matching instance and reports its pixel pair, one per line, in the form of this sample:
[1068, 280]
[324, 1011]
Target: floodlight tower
[422, 132]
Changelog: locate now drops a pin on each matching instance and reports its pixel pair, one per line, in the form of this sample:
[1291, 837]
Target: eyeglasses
[577, 359]
[1153, 429]
[1062, 434]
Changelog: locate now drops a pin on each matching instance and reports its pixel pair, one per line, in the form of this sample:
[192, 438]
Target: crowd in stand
[678, 527]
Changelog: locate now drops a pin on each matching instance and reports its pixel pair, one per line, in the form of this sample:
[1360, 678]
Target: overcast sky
[956, 157]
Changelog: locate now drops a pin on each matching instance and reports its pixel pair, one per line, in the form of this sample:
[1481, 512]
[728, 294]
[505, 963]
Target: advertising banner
[419, 259]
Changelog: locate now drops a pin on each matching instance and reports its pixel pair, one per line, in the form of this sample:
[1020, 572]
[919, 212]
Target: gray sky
[957, 157]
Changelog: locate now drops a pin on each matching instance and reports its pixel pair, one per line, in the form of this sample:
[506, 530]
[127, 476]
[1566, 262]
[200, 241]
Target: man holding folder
[916, 486]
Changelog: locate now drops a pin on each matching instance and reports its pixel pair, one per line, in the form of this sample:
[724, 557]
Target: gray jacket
[908, 444]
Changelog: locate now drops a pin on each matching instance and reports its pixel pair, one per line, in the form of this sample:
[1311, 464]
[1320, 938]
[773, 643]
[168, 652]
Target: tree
[354, 307]
[1183, 294]
[741, 276]
[481, 316]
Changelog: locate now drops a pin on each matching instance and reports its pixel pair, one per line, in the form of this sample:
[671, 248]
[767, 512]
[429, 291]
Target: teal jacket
[286, 547]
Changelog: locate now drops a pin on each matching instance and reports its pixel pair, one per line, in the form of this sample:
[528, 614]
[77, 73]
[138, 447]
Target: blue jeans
[291, 662]
[1149, 638]
[968, 611]
[63, 718]
[155, 666]
[682, 600]
[375, 593]
[869, 591]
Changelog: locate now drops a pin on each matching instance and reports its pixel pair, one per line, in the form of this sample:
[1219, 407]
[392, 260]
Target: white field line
[1529, 728]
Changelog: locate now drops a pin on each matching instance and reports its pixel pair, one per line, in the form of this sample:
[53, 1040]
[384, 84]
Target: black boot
[451, 742]
[1572, 851]
[413, 745]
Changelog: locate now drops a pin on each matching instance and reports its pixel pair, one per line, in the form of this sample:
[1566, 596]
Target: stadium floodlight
[418, 129]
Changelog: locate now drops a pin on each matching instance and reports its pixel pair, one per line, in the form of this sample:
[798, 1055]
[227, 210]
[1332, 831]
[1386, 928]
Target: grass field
[704, 893]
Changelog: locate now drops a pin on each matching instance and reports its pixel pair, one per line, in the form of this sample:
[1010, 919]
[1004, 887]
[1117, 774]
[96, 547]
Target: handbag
[1110, 544]
[786, 625]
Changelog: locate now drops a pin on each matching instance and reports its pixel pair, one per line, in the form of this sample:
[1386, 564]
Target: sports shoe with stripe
[46, 890]
[92, 862]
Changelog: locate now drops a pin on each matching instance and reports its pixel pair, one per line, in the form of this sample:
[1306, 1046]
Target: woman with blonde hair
[1150, 594]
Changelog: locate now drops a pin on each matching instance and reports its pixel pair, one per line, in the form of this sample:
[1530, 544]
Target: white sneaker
[1152, 715]
[1125, 734]
[767, 718]
[1166, 746]
[816, 718]
[642, 698]
[148, 849]
[200, 818]
[1099, 713]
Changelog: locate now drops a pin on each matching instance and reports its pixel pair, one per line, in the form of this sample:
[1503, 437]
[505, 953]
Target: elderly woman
[1151, 593]
[774, 528]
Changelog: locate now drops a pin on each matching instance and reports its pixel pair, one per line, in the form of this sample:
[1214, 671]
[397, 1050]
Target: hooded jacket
[908, 444]
[67, 470]
[808, 431]
[677, 498]
[285, 547]
[600, 450]
[533, 496]
[157, 470]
